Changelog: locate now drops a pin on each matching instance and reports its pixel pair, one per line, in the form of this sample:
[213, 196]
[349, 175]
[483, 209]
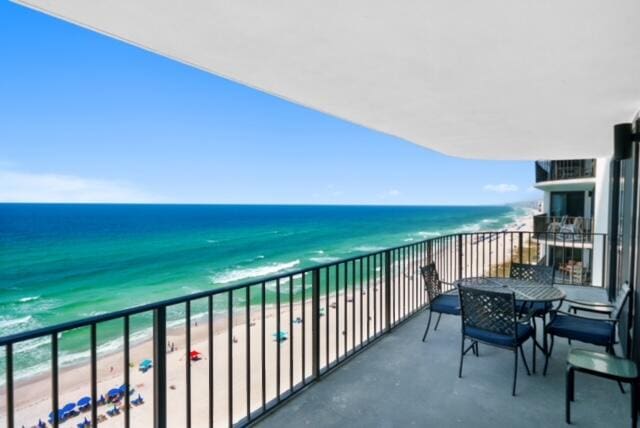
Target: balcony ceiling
[495, 79]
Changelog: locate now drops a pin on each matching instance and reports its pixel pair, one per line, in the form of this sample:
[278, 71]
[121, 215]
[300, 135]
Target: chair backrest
[532, 273]
[578, 224]
[493, 311]
[621, 300]
[431, 281]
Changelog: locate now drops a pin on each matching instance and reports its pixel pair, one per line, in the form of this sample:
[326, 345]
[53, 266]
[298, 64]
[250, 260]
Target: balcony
[543, 223]
[565, 170]
[403, 382]
[263, 342]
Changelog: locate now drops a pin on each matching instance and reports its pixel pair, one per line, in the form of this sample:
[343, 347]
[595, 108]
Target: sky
[85, 118]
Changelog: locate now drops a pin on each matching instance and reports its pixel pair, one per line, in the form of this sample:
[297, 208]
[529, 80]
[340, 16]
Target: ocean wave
[28, 299]
[14, 322]
[429, 234]
[408, 239]
[368, 248]
[469, 228]
[324, 259]
[490, 220]
[239, 274]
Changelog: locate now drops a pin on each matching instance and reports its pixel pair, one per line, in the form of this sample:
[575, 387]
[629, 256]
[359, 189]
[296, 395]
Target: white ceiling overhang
[491, 79]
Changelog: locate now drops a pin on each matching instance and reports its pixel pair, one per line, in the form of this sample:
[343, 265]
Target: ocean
[61, 262]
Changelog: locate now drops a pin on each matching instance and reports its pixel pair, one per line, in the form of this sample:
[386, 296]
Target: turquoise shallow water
[63, 262]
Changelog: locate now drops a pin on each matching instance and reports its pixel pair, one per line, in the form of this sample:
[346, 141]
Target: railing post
[429, 251]
[315, 326]
[9, 384]
[387, 289]
[160, 367]
[520, 248]
[459, 256]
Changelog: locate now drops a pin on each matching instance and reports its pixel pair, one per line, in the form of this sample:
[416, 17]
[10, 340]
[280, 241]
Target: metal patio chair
[490, 317]
[533, 273]
[605, 366]
[438, 301]
[599, 331]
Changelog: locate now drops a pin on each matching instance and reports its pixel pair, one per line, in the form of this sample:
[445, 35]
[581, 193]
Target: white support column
[600, 218]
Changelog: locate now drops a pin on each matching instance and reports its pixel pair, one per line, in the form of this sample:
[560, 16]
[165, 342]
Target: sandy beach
[355, 305]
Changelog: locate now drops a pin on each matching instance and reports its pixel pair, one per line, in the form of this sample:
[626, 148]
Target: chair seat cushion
[446, 304]
[539, 308]
[596, 332]
[524, 332]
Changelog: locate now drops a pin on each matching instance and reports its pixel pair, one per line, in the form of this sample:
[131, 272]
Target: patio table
[525, 291]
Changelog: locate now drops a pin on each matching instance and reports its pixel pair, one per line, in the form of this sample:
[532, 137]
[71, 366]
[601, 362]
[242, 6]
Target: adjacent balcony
[544, 223]
[565, 170]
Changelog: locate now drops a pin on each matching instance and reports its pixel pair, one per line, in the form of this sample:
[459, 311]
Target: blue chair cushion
[524, 332]
[446, 304]
[592, 331]
[539, 308]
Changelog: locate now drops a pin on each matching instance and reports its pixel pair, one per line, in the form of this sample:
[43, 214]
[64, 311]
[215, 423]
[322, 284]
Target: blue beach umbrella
[60, 415]
[68, 407]
[113, 393]
[123, 389]
[84, 401]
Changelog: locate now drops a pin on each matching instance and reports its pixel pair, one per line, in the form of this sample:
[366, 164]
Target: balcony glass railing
[564, 169]
[259, 342]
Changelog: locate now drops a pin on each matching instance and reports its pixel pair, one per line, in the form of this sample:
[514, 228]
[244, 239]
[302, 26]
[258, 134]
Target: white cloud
[500, 188]
[389, 194]
[31, 187]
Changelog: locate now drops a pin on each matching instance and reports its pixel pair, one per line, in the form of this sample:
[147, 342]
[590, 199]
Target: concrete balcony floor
[401, 381]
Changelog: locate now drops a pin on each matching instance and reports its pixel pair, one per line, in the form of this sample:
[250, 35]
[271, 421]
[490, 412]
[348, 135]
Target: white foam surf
[238, 274]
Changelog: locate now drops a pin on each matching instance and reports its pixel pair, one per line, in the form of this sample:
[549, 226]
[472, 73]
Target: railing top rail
[148, 307]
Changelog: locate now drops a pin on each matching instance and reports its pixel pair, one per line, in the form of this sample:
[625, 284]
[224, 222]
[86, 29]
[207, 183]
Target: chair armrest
[606, 310]
[613, 320]
[594, 307]
[586, 303]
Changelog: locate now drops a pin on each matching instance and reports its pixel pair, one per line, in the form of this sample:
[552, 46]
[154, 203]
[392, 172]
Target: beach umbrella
[68, 407]
[145, 363]
[84, 401]
[113, 393]
[195, 355]
[123, 389]
[280, 336]
[60, 415]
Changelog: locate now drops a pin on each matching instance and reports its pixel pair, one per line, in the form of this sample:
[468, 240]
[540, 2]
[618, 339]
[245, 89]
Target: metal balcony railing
[564, 169]
[318, 317]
